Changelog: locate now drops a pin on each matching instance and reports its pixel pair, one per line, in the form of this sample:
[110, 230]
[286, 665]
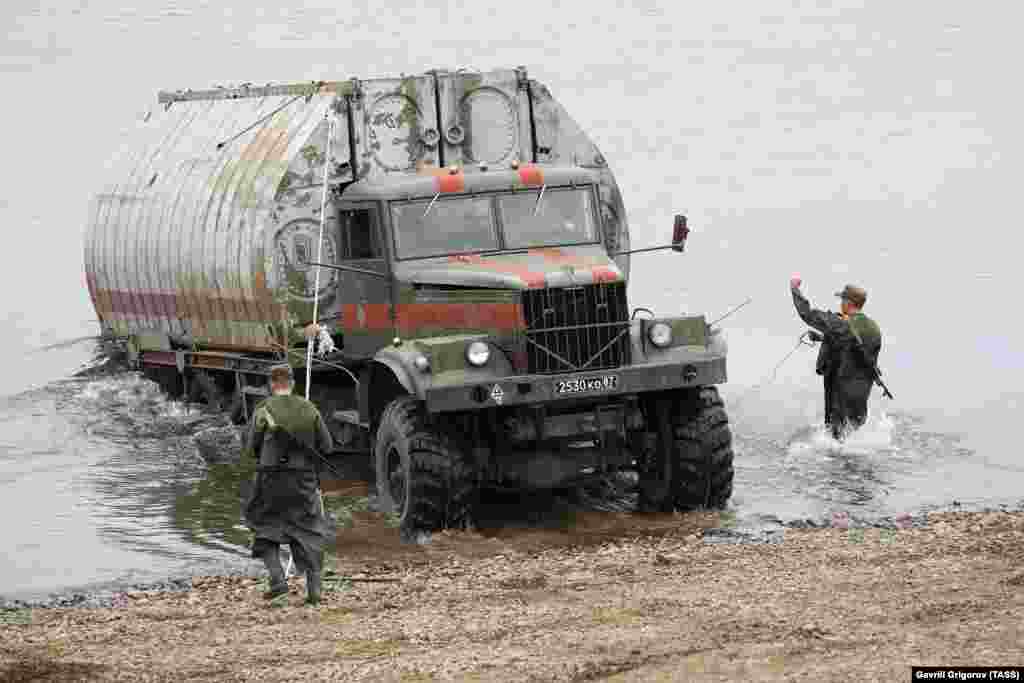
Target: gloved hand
[794, 282]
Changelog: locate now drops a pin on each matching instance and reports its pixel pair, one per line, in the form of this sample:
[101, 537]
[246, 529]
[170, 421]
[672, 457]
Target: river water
[849, 142]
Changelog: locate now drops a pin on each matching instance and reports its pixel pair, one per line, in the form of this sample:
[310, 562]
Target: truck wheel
[422, 474]
[705, 453]
[688, 465]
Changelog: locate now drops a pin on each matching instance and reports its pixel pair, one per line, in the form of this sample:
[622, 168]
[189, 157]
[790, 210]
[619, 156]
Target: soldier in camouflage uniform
[849, 351]
[285, 436]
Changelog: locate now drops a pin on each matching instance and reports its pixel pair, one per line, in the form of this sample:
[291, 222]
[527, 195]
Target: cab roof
[432, 180]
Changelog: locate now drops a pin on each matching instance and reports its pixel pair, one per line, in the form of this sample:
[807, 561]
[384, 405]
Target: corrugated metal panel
[177, 241]
[485, 118]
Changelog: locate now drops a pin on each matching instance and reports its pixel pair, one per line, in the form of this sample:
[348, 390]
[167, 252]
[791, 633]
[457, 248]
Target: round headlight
[660, 334]
[422, 363]
[478, 353]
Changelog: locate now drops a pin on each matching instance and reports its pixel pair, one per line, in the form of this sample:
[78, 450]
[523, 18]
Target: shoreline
[824, 603]
[723, 530]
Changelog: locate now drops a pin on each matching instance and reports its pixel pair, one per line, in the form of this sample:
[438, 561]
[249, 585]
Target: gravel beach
[814, 604]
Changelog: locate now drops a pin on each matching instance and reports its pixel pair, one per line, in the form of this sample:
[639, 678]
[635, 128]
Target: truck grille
[576, 328]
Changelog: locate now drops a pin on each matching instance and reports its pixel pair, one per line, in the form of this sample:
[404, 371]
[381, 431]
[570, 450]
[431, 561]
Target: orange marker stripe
[604, 274]
[532, 279]
[531, 175]
[451, 183]
[412, 317]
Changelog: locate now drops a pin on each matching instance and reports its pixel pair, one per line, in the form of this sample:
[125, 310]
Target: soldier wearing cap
[287, 436]
[849, 351]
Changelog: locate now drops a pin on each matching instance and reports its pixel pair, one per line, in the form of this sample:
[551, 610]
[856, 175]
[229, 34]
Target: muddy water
[102, 485]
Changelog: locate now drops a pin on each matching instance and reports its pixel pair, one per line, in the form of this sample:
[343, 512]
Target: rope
[338, 367]
[802, 341]
[319, 250]
[296, 352]
[316, 86]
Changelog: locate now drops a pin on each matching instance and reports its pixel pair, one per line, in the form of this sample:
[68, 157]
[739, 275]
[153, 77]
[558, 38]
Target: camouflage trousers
[846, 405]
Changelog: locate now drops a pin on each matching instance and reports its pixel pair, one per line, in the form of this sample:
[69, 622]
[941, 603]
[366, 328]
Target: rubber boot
[278, 584]
[314, 587]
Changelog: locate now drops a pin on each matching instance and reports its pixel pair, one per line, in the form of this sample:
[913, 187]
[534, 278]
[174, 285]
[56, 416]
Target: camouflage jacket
[839, 354]
[277, 417]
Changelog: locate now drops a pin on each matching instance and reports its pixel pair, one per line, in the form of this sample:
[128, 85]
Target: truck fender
[390, 374]
[403, 371]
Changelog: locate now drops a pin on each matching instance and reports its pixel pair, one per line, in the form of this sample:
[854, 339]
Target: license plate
[586, 385]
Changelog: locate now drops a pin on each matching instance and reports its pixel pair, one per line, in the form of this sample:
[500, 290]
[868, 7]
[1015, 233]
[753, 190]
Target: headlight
[660, 334]
[478, 353]
[422, 363]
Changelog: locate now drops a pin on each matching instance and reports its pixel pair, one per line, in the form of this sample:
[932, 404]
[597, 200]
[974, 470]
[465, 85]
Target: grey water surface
[868, 142]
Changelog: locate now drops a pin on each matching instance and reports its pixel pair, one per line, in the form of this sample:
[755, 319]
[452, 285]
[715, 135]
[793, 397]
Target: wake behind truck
[455, 249]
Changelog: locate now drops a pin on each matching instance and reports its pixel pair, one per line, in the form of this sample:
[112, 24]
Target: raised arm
[824, 321]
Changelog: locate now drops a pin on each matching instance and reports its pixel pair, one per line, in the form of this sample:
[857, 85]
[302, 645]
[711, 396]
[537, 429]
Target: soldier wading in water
[287, 437]
[847, 360]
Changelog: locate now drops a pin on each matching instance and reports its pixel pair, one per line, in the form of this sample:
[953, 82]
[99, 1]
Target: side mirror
[679, 233]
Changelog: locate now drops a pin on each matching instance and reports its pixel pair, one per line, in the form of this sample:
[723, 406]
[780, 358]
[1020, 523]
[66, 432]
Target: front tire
[689, 455]
[423, 475]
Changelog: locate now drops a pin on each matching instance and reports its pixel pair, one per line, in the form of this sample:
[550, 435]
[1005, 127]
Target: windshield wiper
[539, 197]
[430, 206]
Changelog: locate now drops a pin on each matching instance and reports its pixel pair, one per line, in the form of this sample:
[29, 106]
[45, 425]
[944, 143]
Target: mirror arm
[637, 251]
[350, 269]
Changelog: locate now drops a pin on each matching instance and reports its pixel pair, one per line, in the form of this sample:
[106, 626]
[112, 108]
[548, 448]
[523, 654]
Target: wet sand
[820, 604]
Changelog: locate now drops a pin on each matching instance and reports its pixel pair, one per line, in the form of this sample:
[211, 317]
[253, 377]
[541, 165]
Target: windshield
[531, 219]
[451, 226]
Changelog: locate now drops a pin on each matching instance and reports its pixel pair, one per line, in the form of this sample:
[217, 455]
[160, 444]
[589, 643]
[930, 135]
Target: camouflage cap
[854, 294]
[281, 373]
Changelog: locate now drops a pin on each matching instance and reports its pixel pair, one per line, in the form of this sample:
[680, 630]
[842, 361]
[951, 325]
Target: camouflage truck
[464, 247]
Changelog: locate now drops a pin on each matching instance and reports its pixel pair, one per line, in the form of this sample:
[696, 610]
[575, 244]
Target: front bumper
[696, 370]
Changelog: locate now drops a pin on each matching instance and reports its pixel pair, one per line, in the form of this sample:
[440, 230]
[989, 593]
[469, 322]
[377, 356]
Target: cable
[319, 251]
[296, 352]
[316, 86]
[802, 341]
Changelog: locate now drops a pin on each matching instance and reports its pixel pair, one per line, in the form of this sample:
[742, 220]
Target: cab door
[365, 297]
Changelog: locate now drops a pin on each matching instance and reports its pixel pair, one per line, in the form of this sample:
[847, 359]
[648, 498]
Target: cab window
[359, 234]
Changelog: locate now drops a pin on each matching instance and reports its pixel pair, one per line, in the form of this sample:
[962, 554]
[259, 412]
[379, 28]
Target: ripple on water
[891, 465]
[149, 476]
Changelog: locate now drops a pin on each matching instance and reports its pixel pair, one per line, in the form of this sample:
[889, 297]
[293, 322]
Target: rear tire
[423, 476]
[696, 469]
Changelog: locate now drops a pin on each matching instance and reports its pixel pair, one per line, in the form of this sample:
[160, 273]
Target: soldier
[287, 436]
[847, 358]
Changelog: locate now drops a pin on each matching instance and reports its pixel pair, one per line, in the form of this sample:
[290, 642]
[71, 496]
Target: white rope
[295, 352]
[319, 252]
[802, 341]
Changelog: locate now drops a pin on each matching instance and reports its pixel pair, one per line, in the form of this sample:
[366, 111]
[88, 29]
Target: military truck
[443, 257]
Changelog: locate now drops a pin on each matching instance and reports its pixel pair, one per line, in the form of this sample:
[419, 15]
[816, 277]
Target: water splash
[876, 435]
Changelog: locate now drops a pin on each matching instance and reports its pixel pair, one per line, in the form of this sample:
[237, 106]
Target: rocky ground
[673, 604]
